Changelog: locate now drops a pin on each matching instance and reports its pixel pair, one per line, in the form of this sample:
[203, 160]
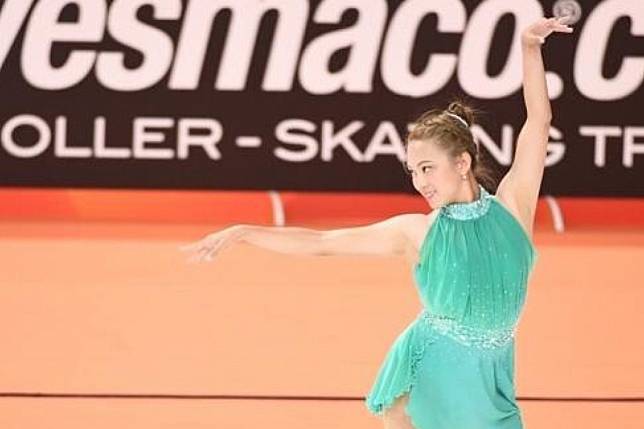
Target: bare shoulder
[416, 226]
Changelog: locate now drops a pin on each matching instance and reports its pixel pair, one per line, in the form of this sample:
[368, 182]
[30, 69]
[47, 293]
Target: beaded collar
[471, 210]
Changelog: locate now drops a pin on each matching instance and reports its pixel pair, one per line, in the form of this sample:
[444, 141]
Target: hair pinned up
[453, 115]
[451, 129]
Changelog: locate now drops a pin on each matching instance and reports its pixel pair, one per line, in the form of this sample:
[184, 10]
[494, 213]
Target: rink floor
[262, 339]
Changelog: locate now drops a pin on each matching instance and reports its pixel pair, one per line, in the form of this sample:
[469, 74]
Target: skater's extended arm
[387, 237]
[522, 182]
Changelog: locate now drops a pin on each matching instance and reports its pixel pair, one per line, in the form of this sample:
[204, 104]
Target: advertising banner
[306, 95]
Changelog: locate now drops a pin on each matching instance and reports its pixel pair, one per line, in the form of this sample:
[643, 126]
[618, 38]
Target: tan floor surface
[115, 309]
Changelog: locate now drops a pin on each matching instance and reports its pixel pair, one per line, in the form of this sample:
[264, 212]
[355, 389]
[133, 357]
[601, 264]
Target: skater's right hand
[206, 248]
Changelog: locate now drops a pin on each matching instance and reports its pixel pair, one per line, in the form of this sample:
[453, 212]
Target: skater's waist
[468, 334]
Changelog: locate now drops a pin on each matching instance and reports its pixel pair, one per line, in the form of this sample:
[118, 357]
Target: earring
[464, 176]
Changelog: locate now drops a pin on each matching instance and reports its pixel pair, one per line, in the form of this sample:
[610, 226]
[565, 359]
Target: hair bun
[463, 110]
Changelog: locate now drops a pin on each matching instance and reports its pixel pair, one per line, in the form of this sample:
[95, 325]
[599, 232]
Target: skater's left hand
[536, 33]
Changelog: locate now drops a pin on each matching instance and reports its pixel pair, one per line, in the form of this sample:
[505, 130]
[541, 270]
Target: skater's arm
[527, 168]
[387, 237]
[522, 182]
[393, 236]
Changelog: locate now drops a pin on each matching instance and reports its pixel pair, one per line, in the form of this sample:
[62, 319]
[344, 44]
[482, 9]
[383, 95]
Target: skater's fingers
[204, 251]
[210, 255]
[197, 255]
[186, 247]
[562, 29]
[191, 247]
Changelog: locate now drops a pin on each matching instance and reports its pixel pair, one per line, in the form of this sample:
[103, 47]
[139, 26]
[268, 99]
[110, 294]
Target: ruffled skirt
[454, 379]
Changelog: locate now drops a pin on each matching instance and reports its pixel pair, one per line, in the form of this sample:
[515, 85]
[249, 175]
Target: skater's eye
[423, 169]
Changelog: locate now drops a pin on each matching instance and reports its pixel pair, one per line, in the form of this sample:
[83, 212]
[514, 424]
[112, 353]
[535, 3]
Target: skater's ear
[463, 162]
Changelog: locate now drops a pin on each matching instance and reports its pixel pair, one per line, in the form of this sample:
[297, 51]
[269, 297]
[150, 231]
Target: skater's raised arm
[522, 182]
[388, 237]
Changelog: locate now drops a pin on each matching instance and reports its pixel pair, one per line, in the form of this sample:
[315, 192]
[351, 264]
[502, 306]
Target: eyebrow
[419, 162]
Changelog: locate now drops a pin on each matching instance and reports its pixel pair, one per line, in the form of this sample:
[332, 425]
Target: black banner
[297, 95]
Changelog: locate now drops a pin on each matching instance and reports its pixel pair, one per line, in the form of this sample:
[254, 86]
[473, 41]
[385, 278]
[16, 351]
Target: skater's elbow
[382, 238]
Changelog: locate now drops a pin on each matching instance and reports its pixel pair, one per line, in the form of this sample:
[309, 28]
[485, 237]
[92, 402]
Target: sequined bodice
[474, 267]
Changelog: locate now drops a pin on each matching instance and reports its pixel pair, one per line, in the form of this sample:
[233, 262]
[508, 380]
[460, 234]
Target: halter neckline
[468, 210]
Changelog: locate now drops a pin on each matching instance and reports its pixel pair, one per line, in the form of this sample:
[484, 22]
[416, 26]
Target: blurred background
[129, 128]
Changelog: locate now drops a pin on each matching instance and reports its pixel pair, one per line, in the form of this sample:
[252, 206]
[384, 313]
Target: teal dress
[456, 358]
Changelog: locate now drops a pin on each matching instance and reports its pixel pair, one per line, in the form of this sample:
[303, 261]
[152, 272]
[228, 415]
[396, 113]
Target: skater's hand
[206, 248]
[536, 33]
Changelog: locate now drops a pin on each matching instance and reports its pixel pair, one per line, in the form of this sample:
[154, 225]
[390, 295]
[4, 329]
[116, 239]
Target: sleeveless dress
[456, 358]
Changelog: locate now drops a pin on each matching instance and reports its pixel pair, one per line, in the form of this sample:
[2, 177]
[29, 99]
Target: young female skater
[453, 366]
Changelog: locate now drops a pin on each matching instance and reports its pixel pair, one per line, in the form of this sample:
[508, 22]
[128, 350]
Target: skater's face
[435, 174]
